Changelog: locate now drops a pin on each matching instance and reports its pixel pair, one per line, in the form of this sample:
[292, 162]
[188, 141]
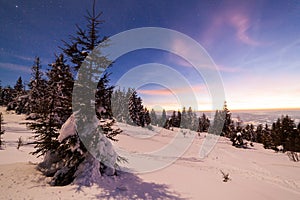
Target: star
[17, 6]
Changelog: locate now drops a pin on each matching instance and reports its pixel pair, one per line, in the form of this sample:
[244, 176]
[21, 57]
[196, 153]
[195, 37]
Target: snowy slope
[255, 173]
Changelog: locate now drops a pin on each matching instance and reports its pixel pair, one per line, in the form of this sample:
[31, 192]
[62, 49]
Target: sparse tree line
[283, 135]
[128, 108]
[188, 120]
[14, 98]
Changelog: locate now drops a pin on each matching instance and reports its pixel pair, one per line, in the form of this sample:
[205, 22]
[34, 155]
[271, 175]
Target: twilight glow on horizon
[254, 44]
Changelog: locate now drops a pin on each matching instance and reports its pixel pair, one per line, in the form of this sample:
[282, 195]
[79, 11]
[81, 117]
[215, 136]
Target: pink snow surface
[254, 173]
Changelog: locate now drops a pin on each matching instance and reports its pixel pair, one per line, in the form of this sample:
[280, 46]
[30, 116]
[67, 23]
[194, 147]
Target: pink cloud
[167, 92]
[238, 18]
[242, 23]
[160, 92]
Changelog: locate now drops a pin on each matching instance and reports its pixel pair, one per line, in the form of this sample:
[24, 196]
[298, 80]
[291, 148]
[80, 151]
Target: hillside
[254, 173]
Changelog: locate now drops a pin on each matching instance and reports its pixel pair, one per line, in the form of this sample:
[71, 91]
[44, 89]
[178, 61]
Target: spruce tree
[218, 123]
[136, 110]
[239, 124]
[203, 123]
[77, 153]
[172, 121]
[140, 112]
[190, 118]
[228, 123]
[60, 83]
[120, 103]
[18, 98]
[178, 121]
[184, 119]
[163, 118]
[133, 110]
[7, 95]
[259, 133]
[147, 117]
[57, 104]
[86, 40]
[19, 87]
[117, 104]
[21, 97]
[153, 117]
[37, 90]
[267, 140]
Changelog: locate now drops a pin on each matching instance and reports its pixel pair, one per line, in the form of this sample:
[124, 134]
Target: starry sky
[254, 44]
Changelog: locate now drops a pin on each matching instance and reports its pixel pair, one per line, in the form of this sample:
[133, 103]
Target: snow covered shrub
[225, 176]
[19, 142]
[293, 156]
[237, 140]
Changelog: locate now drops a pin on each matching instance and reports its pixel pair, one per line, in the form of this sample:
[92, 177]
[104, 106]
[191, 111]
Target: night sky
[255, 44]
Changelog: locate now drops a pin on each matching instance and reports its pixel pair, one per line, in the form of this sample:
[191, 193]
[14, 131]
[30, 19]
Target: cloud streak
[168, 92]
[234, 17]
[241, 23]
[14, 67]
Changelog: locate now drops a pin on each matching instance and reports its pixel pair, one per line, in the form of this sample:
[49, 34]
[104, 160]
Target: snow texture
[68, 128]
[255, 173]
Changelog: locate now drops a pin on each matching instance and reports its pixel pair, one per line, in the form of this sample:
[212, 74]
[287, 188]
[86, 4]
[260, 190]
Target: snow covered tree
[171, 121]
[132, 106]
[153, 117]
[147, 117]
[37, 90]
[190, 118]
[85, 151]
[21, 97]
[178, 119]
[184, 119]
[218, 123]
[120, 104]
[1, 129]
[267, 140]
[17, 102]
[57, 104]
[259, 134]
[19, 87]
[248, 132]
[60, 85]
[292, 142]
[163, 118]
[140, 112]
[136, 110]
[85, 41]
[223, 119]
[239, 124]
[203, 123]
[103, 97]
[238, 140]
[228, 127]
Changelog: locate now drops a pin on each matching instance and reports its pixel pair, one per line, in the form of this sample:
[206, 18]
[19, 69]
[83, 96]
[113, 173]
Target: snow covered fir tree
[76, 144]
